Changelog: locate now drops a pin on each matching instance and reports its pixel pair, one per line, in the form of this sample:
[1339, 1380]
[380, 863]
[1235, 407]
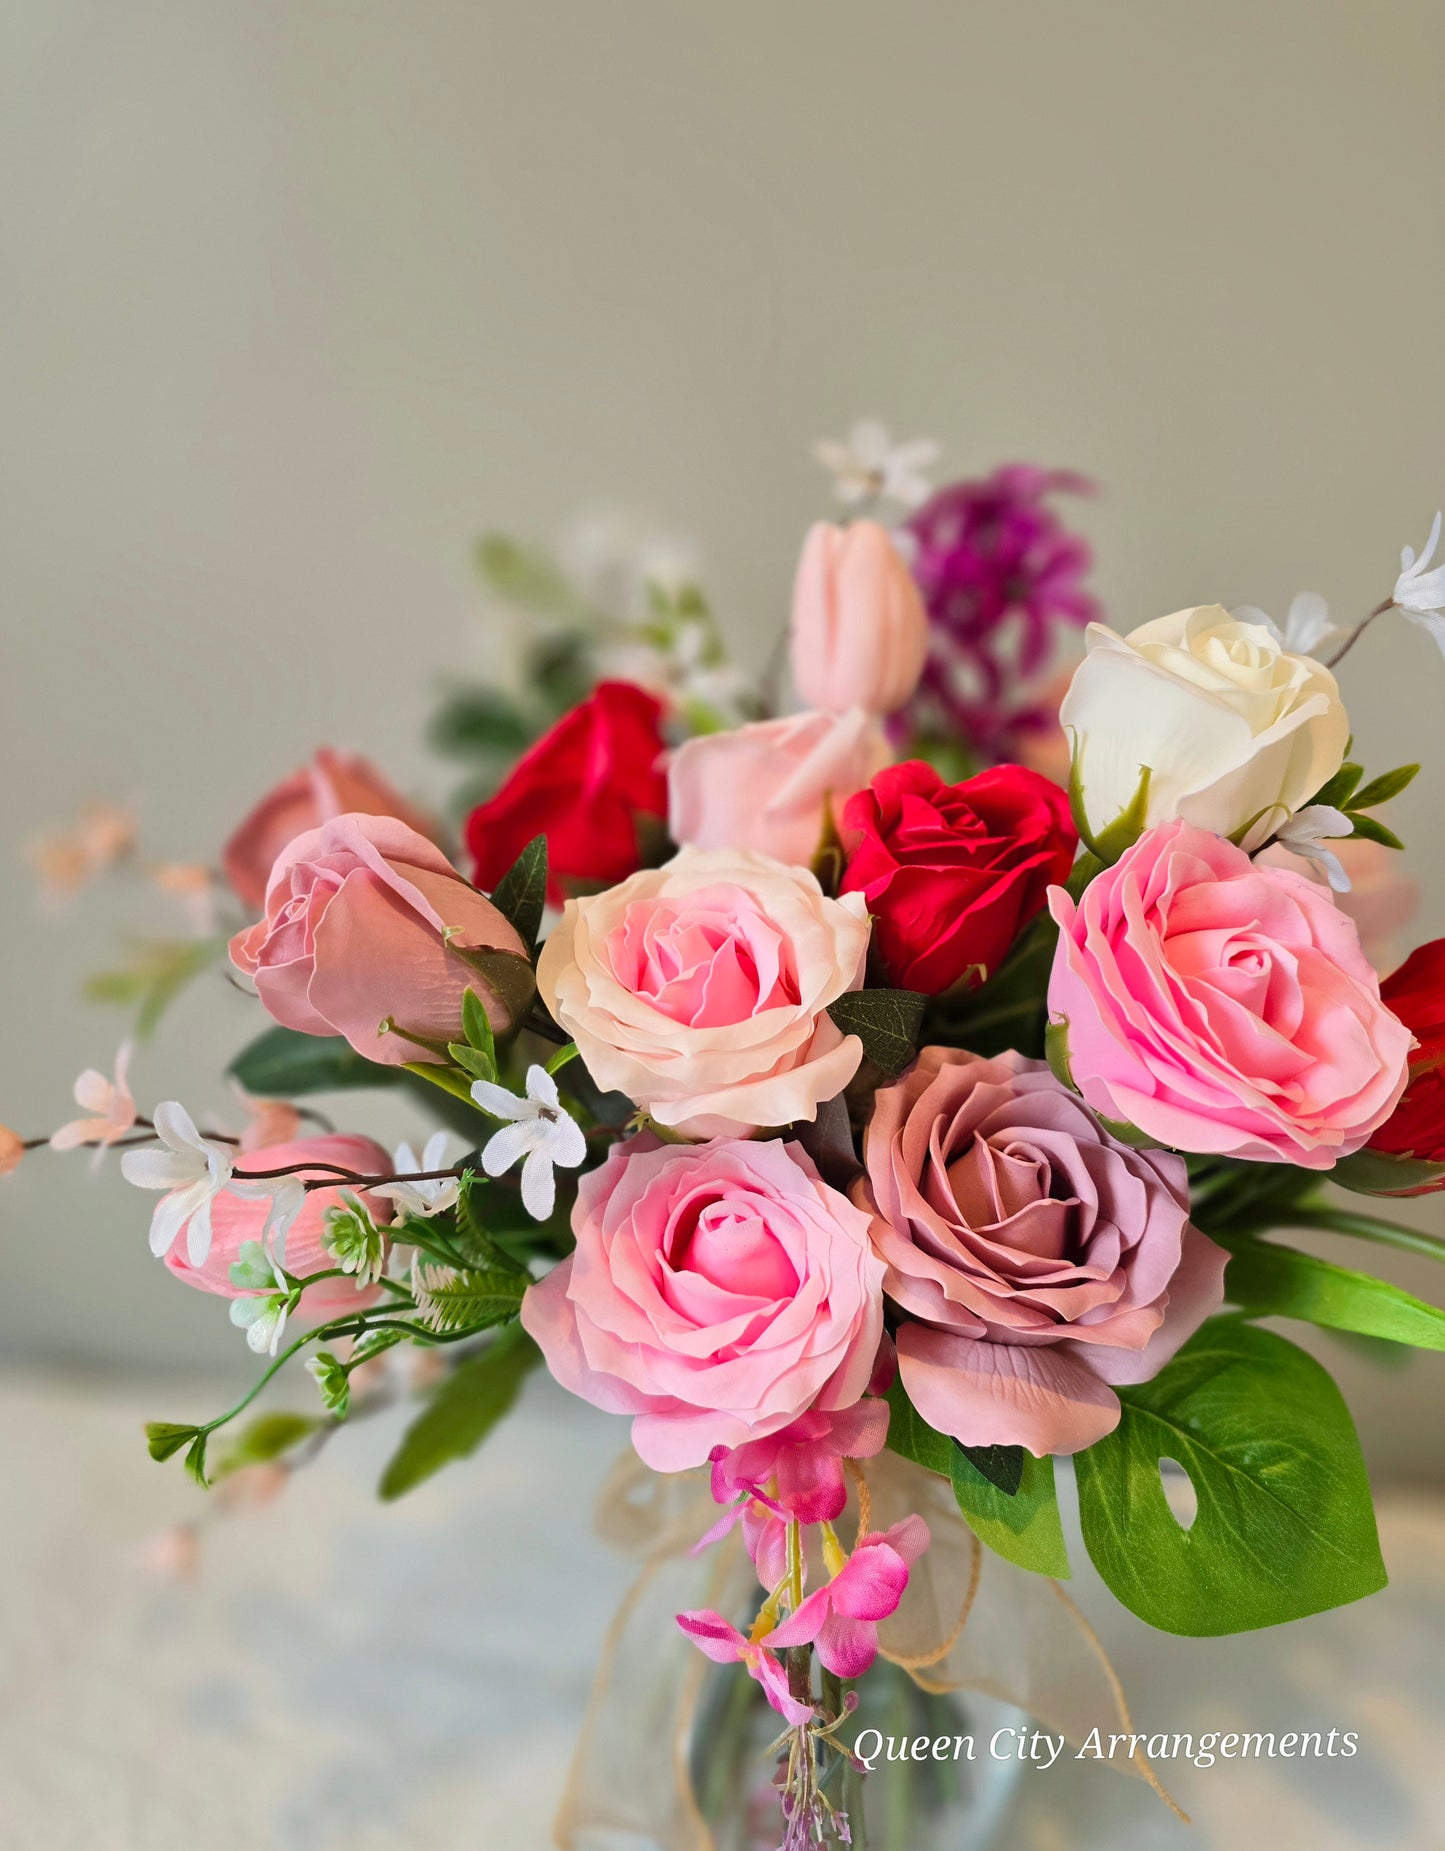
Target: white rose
[1235, 730]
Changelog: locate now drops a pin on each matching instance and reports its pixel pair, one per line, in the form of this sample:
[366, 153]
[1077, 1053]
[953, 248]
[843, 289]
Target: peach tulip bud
[330, 786]
[860, 632]
[12, 1149]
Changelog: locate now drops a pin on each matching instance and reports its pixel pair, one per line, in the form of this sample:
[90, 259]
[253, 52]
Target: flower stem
[1363, 1227]
[1358, 631]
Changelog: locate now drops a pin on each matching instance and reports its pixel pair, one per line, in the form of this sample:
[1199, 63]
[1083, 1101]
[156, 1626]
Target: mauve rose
[585, 784]
[1041, 1262]
[769, 786]
[952, 873]
[701, 990]
[717, 1292]
[333, 784]
[860, 632]
[1222, 1006]
[235, 1219]
[366, 920]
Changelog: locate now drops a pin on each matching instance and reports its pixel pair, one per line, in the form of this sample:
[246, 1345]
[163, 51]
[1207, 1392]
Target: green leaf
[473, 1239]
[911, 1437]
[164, 1437]
[1284, 1525]
[263, 1439]
[1338, 790]
[473, 1062]
[284, 1064]
[521, 893]
[1383, 788]
[461, 1412]
[1002, 1467]
[1024, 1528]
[563, 1057]
[159, 972]
[885, 1021]
[524, 576]
[449, 1302]
[1272, 1281]
[1373, 830]
[480, 722]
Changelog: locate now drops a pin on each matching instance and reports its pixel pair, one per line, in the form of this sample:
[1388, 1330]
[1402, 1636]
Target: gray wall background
[295, 299]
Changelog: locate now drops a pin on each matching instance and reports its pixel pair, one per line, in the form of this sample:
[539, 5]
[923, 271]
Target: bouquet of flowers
[867, 1114]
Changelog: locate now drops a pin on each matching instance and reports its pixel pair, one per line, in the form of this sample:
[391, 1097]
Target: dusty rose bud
[860, 632]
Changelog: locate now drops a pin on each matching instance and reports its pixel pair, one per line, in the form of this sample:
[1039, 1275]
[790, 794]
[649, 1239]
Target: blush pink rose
[1222, 1006]
[701, 990]
[860, 632]
[771, 786]
[718, 1291]
[1040, 1261]
[236, 1219]
[330, 786]
[1382, 900]
[367, 921]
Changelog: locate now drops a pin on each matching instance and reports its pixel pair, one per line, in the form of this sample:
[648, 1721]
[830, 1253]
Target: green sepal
[521, 894]
[1109, 843]
[508, 976]
[1377, 1172]
[1056, 1051]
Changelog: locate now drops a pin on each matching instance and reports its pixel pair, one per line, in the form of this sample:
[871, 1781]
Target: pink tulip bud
[860, 632]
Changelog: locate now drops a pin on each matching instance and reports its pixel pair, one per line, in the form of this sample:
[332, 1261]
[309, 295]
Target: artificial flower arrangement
[869, 1116]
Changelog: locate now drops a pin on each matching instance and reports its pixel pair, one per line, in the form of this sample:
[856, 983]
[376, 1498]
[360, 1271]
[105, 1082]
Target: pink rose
[717, 1292]
[701, 990]
[1040, 1260]
[860, 632]
[1222, 1006]
[330, 786]
[1382, 900]
[769, 786]
[365, 920]
[235, 1219]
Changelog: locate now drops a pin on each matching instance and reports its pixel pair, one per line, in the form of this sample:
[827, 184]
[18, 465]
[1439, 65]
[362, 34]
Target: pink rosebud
[236, 1219]
[860, 632]
[725, 1645]
[12, 1149]
[772, 787]
[841, 1620]
[330, 786]
[366, 921]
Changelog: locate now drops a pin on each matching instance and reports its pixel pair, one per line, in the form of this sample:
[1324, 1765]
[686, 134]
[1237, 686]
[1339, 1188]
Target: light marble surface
[348, 1674]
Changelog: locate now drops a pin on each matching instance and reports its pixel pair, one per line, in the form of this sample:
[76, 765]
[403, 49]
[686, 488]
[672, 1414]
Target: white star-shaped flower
[420, 1200]
[192, 1170]
[1419, 590]
[540, 1129]
[1306, 625]
[108, 1104]
[287, 1195]
[870, 465]
[1306, 833]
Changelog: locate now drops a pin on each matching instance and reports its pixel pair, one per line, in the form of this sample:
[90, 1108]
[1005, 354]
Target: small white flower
[1306, 833]
[870, 465]
[287, 1196]
[109, 1107]
[192, 1169]
[1306, 625]
[420, 1200]
[264, 1319]
[1419, 591]
[540, 1129]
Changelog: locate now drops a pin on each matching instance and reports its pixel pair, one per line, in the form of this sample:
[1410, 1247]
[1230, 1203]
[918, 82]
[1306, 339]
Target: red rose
[953, 872]
[582, 785]
[1416, 1127]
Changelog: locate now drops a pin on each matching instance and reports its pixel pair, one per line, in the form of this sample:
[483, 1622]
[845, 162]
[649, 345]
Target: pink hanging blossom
[799, 1471]
[725, 1645]
[841, 1620]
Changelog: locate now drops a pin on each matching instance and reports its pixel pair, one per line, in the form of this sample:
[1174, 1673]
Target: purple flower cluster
[999, 574]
